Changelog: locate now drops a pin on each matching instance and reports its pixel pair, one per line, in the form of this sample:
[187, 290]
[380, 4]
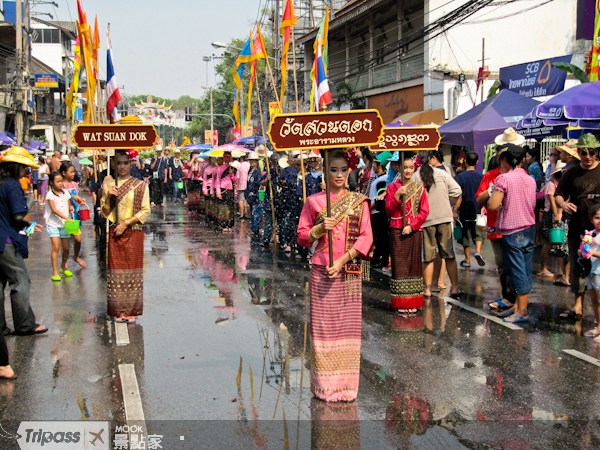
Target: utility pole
[482, 66]
[19, 113]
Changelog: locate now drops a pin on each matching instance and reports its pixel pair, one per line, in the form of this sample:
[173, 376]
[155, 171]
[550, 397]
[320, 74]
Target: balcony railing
[389, 73]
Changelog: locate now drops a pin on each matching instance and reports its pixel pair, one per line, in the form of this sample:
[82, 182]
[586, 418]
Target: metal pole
[19, 96]
[403, 184]
[482, 65]
[212, 119]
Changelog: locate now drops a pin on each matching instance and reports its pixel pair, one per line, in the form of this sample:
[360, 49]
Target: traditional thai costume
[207, 181]
[126, 252]
[407, 266]
[336, 303]
[223, 187]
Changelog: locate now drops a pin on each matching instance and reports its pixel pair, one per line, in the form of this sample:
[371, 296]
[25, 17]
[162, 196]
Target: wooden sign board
[408, 139]
[338, 129]
[102, 137]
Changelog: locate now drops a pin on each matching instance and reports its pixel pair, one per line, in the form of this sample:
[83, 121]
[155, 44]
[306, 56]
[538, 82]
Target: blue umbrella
[7, 138]
[581, 102]
[199, 147]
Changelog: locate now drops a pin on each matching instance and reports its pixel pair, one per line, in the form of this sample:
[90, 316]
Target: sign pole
[327, 194]
[403, 184]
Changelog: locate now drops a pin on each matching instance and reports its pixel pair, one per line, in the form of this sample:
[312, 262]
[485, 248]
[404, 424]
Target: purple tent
[479, 126]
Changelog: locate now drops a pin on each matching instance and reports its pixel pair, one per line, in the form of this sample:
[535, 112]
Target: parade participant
[68, 172]
[379, 217]
[552, 214]
[209, 178]
[194, 183]
[168, 187]
[407, 206]
[314, 178]
[55, 161]
[513, 194]
[242, 174]
[57, 211]
[43, 173]
[437, 229]
[259, 196]
[159, 167]
[176, 174]
[469, 181]
[126, 204]
[592, 282]
[366, 177]
[223, 188]
[13, 243]
[35, 183]
[577, 190]
[288, 200]
[336, 288]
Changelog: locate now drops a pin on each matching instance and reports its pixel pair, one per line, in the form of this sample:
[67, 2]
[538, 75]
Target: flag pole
[269, 67]
[302, 169]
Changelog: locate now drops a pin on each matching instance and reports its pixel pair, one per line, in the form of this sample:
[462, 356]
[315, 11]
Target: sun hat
[283, 162]
[384, 158]
[64, 158]
[568, 148]
[158, 148]
[253, 155]
[510, 136]
[235, 165]
[177, 150]
[559, 167]
[587, 140]
[20, 156]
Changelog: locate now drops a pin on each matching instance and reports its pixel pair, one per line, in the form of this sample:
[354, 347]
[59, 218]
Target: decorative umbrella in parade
[86, 162]
[218, 153]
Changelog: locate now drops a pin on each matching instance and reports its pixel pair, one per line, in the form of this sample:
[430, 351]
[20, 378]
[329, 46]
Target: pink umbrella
[231, 148]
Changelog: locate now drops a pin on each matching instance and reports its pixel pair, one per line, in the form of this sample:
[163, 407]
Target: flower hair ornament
[132, 153]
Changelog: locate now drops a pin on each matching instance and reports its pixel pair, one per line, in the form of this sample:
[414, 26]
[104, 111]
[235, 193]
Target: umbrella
[218, 153]
[581, 102]
[34, 143]
[86, 162]
[34, 151]
[7, 138]
[250, 141]
[232, 148]
[198, 147]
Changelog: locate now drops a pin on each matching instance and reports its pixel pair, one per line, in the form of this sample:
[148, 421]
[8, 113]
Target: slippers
[438, 288]
[66, 272]
[500, 304]
[32, 332]
[516, 318]
[456, 295]
[479, 259]
[464, 264]
[545, 274]
[56, 278]
[509, 312]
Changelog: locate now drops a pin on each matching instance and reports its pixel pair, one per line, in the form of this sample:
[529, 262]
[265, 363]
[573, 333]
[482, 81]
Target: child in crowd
[57, 210]
[68, 172]
[592, 282]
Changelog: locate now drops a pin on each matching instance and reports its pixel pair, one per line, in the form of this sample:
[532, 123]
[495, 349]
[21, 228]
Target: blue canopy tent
[479, 126]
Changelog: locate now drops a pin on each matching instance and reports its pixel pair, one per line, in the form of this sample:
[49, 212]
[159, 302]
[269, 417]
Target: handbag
[481, 220]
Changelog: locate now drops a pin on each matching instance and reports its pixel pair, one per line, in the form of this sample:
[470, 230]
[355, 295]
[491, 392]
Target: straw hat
[158, 148]
[568, 148]
[261, 151]
[283, 162]
[253, 155]
[20, 156]
[510, 136]
[64, 158]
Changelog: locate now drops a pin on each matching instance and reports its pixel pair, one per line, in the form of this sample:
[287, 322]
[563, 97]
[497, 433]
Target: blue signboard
[46, 80]
[535, 79]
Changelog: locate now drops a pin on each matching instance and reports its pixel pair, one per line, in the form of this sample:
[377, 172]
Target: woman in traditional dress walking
[126, 204]
[336, 289]
[407, 206]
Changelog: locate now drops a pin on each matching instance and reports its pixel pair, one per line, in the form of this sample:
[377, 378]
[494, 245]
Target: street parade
[343, 224]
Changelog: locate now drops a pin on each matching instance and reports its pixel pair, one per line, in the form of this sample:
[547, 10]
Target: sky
[158, 45]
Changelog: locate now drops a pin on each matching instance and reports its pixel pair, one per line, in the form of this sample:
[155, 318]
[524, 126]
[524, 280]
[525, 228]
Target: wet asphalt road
[219, 358]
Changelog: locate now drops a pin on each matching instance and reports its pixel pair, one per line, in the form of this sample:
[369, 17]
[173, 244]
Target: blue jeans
[518, 257]
[259, 210]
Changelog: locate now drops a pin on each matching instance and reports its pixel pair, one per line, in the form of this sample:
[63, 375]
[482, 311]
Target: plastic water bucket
[180, 185]
[72, 226]
[556, 235]
[457, 231]
[84, 212]
[261, 194]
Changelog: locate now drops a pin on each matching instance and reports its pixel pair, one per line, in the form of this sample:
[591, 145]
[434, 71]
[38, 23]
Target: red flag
[482, 75]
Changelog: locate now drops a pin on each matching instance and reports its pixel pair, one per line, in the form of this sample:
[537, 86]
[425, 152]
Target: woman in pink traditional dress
[406, 237]
[336, 289]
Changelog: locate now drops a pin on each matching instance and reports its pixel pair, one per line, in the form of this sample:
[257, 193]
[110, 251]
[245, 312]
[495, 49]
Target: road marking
[122, 333]
[479, 312]
[582, 356]
[132, 399]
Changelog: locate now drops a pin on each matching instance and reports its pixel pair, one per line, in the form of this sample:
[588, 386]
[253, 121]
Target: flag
[112, 88]
[593, 60]
[320, 94]
[240, 64]
[287, 22]
[258, 52]
[95, 47]
[86, 54]
[71, 99]
[482, 75]
[320, 85]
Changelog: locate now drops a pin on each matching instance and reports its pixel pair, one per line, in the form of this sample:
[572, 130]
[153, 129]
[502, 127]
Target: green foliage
[344, 94]
[494, 89]
[573, 69]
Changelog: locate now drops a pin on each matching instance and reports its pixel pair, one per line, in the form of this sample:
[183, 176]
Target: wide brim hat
[20, 156]
[158, 148]
[510, 136]
[569, 148]
[283, 162]
[261, 151]
[587, 140]
[384, 158]
[177, 150]
[64, 158]
[253, 156]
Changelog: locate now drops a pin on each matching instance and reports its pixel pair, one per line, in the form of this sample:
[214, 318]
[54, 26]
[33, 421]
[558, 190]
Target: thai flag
[112, 88]
[320, 83]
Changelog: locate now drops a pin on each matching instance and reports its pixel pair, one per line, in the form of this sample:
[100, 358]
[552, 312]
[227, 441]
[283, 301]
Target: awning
[436, 116]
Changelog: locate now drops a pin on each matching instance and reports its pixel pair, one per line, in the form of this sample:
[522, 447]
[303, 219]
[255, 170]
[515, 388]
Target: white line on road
[582, 356]
[495, 319]
[122, 333]
[132, 399]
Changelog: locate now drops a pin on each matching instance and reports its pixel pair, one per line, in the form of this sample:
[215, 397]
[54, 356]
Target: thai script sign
[326, 130]
[46, 80]
[115, 136]
[535, 79]
[408, 139]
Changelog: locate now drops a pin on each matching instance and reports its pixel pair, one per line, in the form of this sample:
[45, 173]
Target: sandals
[561, 282]
[545, 274]
[66, 272]
[456, 295]
[569, 314]
[56, 278]
[509, 312]
[500, 304]
[479, 259]
[516, 318]
[465, 264]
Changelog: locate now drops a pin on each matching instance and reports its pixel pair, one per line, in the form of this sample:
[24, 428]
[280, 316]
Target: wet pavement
[219, 357]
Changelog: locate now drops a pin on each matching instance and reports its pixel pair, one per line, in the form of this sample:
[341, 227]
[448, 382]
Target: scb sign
[535, 79]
